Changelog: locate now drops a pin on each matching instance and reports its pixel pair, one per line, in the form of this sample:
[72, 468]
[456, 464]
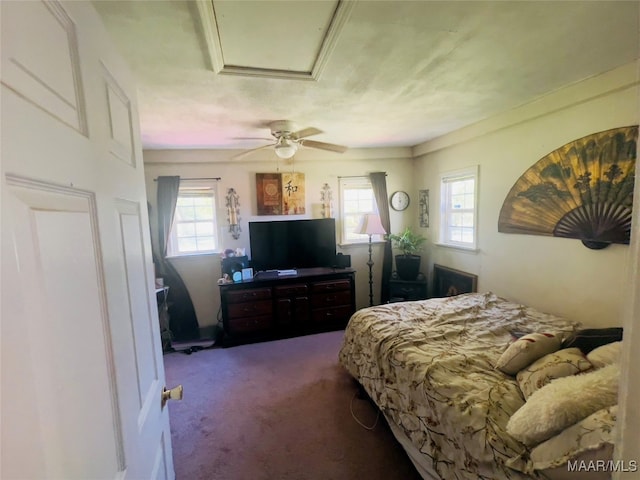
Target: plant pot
[408, 266]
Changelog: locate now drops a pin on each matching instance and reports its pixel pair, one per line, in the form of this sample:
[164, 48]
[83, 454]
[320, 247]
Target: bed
[430, 367]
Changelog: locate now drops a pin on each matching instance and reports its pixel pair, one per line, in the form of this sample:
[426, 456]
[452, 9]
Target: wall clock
[399, 200]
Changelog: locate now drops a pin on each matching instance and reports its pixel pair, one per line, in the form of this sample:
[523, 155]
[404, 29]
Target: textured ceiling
[393, 73]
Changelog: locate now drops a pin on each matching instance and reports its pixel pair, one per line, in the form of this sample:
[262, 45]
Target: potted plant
[407, 264]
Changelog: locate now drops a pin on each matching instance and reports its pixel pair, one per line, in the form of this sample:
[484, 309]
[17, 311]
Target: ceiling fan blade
[324, 146]
[306, 132]
[248, 152]
[252, 138]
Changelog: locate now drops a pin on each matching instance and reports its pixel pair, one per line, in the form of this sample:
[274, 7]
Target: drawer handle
[331, 299]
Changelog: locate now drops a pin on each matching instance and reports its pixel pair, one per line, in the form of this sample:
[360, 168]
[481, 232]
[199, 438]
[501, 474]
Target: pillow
[587, 465]
[527, 349]
[591, 439]
[590, 338]
[562, 363]
[605, 355]
[563, 402]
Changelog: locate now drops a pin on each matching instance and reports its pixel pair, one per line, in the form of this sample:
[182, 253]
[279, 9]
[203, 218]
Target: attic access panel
[582, 190]
[277, 39]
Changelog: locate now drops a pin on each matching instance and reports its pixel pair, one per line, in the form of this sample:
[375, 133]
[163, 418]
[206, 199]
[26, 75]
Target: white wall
[556, 275]
[201, 272]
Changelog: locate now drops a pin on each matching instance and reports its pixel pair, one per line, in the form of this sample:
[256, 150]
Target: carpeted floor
[276, 411]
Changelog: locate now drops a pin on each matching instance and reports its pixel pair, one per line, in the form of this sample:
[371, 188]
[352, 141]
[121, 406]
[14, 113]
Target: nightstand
[406, 290]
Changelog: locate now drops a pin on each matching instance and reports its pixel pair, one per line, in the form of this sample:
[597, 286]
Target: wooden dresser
[272, 306]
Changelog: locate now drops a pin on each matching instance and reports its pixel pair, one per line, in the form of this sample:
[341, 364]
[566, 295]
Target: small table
[407, 290]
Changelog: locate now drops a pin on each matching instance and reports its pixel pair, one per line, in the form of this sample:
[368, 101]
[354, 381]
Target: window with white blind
[195, 226]
[458, 208]
[356, 199]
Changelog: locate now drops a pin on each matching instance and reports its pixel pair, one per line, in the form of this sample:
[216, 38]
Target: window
[356, 199]
[195, 228]
[458, 222]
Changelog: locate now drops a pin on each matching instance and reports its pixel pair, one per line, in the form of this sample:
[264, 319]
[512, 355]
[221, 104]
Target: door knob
[174, 393]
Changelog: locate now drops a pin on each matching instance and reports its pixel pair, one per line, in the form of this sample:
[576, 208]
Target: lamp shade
[370, 225]
[285, 148]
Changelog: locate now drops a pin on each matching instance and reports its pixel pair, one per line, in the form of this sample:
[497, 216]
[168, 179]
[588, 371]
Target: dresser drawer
[298, 289]
[250, 309]
[331, 286]
[246, 325]
[248, 295]
[333, 314]
[316, 299]
[340, 297]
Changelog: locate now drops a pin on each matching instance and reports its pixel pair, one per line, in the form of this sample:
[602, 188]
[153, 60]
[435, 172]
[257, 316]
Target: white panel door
[82, 373]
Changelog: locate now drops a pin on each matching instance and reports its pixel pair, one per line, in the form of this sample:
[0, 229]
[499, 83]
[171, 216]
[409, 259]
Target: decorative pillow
[584, 463]
[605, 355]
[592, 434]
[563, 402]
[590, 338]
[526, 350]
[562, 363]
[591, 439]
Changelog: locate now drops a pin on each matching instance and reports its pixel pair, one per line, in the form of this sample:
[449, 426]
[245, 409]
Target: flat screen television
[292, 244]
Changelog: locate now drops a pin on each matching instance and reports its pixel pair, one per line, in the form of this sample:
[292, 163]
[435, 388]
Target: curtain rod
[358, 176]
[202, 178]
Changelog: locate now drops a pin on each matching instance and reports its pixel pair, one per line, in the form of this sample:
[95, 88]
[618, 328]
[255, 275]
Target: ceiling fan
[287, 141]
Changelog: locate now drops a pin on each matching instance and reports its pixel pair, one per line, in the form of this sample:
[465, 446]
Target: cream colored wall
[556, 275]
[201, 272]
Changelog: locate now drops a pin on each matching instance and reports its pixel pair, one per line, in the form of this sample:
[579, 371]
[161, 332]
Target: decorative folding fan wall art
[582, 190]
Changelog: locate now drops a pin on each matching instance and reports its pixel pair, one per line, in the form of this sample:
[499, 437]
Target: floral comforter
[429, 366]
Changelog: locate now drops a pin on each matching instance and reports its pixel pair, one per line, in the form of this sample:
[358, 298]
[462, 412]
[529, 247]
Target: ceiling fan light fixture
[286, 148]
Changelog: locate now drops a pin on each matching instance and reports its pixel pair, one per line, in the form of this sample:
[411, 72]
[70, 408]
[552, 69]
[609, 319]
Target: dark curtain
[182, 315]
[379, 186]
